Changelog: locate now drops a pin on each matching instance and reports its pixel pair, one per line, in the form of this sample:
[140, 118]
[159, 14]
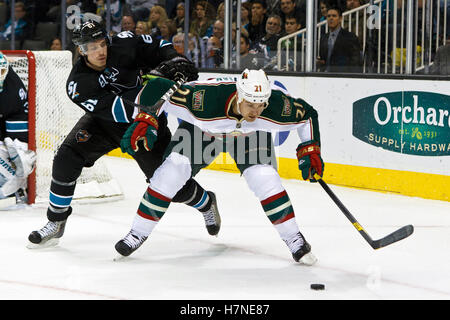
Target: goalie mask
[4, 67]
[253, 86]
[89, 31]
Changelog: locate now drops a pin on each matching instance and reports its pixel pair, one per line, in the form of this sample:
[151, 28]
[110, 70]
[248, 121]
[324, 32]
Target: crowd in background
[263, 23]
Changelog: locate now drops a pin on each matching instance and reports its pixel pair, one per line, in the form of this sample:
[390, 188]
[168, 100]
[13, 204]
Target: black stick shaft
[164, 98]
[395, 236]
[345, 211]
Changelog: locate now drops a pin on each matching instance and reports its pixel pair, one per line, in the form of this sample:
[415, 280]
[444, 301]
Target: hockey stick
[154, 108]
[395, 236]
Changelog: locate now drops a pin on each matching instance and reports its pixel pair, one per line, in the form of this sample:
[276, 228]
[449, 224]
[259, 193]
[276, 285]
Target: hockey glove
[175, 68]
[24, 160]
[144, 128]
[309, 160]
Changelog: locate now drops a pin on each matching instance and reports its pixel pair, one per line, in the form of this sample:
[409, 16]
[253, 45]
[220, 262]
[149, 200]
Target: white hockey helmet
[253, 86]
[4, 67]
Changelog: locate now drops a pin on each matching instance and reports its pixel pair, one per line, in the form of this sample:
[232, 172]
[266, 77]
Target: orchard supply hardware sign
[409, 122]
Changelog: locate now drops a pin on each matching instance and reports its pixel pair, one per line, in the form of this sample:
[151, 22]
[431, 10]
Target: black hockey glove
[171, 69]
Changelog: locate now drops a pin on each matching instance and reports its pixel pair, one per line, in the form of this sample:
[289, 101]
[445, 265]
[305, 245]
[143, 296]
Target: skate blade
[308, 259]
[48, 244]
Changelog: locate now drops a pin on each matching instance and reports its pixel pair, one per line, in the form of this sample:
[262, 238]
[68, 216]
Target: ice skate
[212, 216]
[301, 250]
[48, 235]
[129, 244]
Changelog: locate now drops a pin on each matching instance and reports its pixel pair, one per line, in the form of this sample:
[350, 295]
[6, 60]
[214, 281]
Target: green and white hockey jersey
[207, 105]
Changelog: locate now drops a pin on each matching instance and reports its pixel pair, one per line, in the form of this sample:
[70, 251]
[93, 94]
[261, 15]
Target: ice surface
[247, 261]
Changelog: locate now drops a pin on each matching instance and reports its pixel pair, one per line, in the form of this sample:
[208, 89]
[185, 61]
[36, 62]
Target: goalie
[16, 161]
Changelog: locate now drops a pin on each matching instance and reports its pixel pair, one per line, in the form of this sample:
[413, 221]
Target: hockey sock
[60, 198]
[153, 205]
[280, 212]
[200, 200]
[278, 208]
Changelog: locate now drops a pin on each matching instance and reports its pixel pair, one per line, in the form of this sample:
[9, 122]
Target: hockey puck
[317, 286]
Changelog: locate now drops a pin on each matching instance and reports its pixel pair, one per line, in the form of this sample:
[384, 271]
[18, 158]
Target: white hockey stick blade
[308, 259]
[7, 204]
[48, 244]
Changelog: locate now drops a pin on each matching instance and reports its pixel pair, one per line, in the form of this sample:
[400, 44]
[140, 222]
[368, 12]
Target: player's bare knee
[172, 174]
[263, 180]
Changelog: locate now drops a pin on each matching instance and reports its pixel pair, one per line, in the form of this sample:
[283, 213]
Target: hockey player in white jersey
[236, 117]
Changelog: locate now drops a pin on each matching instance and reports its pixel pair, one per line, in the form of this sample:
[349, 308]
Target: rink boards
[390, 135]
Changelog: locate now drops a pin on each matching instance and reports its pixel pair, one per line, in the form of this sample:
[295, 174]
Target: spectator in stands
[441, 63]
[142, 27]
[168, 29]
[214, 56]
[128, 23]
[157, 15]
[257, 25]
[219, 29]
[291, 25]
[193, 52]
[140, 8]
[341, 4]
[339, 49]
[56, 44]
[248, 59]
[116, 11]
[289, 8]
[288, 47]
[202, 18]
[351, 22]
[267, 45]
[323, 10]
[21, 26]
[221, 12]
[179, 17]
[353, 4]
[178, 42]
[246, 14]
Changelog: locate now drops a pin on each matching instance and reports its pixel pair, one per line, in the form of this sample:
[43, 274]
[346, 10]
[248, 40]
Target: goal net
[51, 117]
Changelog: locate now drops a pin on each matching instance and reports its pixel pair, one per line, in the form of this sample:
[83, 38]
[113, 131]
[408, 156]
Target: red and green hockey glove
[309, 160]
[144, 128]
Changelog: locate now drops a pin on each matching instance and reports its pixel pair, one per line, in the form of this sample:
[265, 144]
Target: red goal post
[51, 116]
[31, 89]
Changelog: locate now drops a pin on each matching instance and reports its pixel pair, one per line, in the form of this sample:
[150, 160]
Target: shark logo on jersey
[82, 135]
[110, 74]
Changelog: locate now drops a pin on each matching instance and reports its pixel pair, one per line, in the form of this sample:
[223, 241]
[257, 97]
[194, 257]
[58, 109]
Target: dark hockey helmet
[88, 31]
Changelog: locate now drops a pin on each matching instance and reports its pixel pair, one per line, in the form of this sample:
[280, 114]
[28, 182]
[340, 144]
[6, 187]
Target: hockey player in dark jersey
[105, 82]
[17, 162]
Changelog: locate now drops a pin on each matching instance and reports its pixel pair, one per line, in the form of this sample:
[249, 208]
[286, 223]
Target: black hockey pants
[90, 139]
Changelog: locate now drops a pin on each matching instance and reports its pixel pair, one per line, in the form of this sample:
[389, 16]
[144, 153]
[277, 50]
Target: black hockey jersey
[14, 108]
[109, 94]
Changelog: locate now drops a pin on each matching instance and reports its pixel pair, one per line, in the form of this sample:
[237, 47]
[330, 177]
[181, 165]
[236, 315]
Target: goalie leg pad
[23, 159]
[9, 182]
